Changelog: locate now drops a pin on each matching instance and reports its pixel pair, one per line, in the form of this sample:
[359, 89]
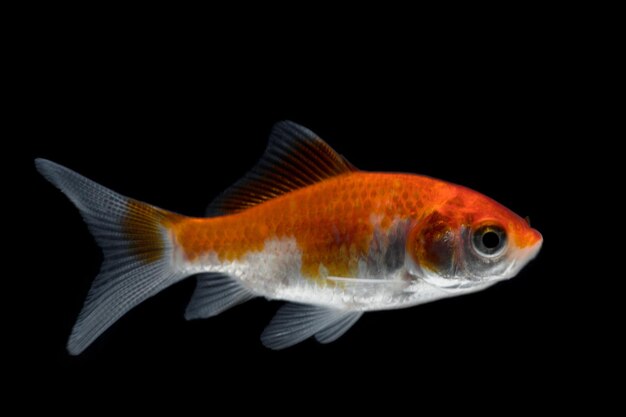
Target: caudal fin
[136, 244]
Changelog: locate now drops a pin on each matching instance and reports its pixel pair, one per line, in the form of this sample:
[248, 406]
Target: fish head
[470, 241]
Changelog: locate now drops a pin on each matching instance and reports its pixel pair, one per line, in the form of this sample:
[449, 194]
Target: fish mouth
[536, 247]
[522, 256]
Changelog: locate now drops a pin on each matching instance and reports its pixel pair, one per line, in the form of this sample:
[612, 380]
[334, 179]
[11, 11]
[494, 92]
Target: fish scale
[325, 218]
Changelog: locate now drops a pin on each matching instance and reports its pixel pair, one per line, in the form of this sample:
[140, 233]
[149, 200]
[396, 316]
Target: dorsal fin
[294, 158]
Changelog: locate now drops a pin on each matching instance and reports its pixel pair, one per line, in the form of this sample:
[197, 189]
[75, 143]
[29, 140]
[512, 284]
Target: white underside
[275, 273]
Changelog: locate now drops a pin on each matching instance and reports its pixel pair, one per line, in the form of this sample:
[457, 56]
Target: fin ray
[295, 157]
[337, 329]
[135, 245]
[294, 323]
[214, 294]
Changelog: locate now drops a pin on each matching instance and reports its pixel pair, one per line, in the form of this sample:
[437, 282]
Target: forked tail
[136, 244]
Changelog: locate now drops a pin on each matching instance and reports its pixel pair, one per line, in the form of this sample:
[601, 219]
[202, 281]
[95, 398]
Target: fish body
[339, 243]
[303, 226]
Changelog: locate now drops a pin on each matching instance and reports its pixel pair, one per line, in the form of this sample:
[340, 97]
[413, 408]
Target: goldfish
[303, 226]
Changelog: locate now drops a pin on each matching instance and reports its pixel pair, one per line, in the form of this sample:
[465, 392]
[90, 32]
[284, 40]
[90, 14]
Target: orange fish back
[332, 221]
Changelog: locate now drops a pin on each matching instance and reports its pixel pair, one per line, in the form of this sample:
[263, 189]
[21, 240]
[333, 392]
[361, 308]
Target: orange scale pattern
[332, 221]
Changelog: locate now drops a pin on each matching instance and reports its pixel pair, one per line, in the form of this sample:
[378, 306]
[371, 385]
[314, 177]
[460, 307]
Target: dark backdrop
[173, 123]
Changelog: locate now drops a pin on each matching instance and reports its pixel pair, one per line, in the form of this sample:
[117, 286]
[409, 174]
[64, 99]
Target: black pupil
[491, 240]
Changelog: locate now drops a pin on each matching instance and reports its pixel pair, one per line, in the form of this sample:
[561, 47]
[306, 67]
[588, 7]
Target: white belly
[275, 273]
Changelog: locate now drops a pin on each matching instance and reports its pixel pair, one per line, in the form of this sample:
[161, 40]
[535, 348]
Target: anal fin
[294, 323]
[214, 294]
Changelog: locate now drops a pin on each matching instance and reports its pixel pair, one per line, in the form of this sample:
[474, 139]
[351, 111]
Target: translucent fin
[334, 332]
[294, 323]
[135, 243]
[371, 282]
[294, 158]
[378, 281]
[214, 294]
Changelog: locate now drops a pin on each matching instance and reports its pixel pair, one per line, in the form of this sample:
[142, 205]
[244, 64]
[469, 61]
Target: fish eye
[489, 240]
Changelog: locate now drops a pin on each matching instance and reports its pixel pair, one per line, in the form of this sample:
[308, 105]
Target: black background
[173, 117]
